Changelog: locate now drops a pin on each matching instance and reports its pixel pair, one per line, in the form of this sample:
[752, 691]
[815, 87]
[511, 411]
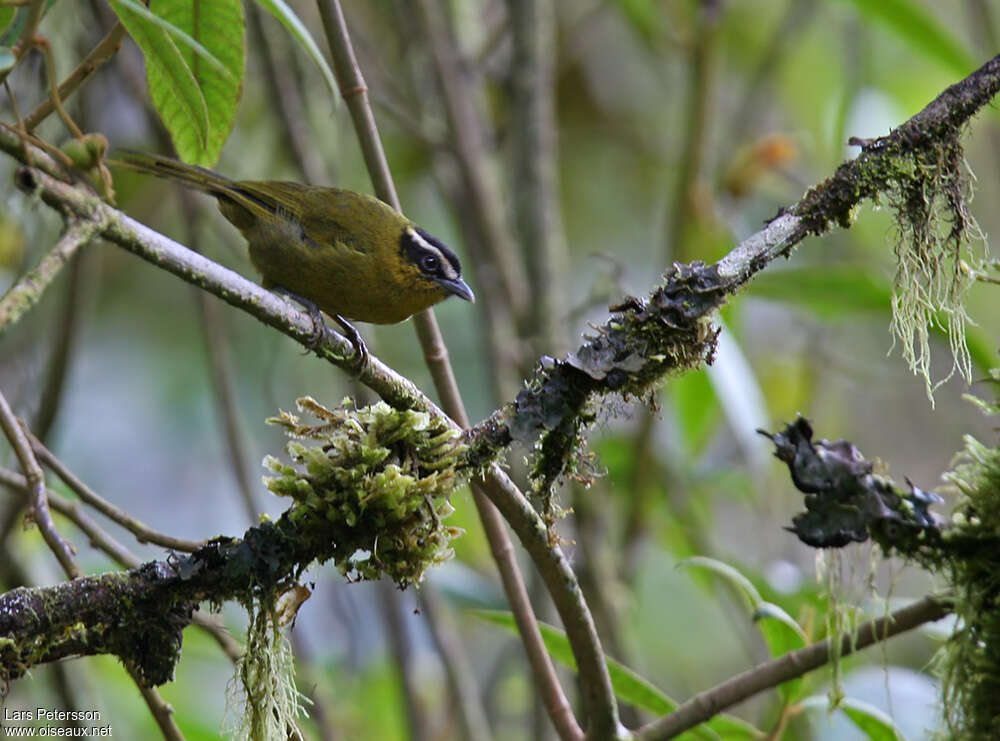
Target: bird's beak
[459, 288]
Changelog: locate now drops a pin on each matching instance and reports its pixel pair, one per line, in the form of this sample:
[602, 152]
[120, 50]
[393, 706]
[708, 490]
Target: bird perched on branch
[330, 249]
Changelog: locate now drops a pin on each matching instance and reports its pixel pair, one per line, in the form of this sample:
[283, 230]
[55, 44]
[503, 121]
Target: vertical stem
[535, 177]
[402, 651]
[355, 94]
[683, 214]
[461, 680]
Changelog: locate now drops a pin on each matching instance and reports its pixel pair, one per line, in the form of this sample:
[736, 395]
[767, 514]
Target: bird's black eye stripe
[429, 254]
[446, 253]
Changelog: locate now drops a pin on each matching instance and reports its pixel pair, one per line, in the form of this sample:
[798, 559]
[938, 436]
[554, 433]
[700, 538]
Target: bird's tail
[193, 176]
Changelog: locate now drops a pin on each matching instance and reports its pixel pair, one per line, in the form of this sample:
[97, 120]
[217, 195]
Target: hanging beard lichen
[374, 482]
[935, 260]
[262, 699]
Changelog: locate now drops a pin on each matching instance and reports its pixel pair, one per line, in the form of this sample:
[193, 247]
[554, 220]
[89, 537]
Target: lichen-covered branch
[29, 289]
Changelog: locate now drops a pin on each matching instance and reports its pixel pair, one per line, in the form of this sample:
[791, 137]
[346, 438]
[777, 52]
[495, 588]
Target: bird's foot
[319, 326]
[360, 359]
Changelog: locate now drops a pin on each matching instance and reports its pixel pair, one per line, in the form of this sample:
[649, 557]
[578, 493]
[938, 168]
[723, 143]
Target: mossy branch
[644, 340]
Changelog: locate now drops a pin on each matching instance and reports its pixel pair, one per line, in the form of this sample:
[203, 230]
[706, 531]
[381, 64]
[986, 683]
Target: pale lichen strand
[924, 179]
[375, 480]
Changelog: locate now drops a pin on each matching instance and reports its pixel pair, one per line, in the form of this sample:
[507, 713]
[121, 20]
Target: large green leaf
[194, 53]
[628, 685]
[921, 30]
[780, 631]
[836, 291]
[870, 720]
[286, 16]
[829, 291]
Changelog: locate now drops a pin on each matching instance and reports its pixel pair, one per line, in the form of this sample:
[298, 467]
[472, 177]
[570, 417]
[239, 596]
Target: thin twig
[17, 435]
[143, 533]
[287, 102]
[705, 705]
[100, 54]
[29, 289]
[50, 70]
[435, 352]
[401, 645]
[103, 541]
[161, 710]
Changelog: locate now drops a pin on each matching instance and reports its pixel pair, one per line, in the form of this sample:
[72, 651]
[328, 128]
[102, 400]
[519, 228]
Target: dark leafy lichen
[644, 341]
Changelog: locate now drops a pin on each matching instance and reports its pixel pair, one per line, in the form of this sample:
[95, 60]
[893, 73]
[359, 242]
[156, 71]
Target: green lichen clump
[373, 482]
[939, 249]
[936, 258]
[971, 659]
[262, 700]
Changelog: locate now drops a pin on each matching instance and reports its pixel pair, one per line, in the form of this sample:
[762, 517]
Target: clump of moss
[971, 659]
[374, 482]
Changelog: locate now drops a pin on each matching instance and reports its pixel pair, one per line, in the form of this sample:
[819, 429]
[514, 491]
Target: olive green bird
[345, 253]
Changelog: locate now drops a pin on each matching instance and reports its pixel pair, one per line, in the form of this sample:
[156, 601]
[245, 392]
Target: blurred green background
[783, 85]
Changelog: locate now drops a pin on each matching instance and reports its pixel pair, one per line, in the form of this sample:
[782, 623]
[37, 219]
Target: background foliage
[682, 127]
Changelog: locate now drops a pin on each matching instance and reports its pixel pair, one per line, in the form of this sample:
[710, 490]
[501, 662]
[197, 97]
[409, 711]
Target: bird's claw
[360, 359]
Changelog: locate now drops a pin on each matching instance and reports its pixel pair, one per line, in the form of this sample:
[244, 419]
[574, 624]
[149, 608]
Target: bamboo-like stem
[683, 214]
[286, 97]
[17, 435]
[462, 682]
[64, 341]
[706, 704]
[401, 646]
[535, 178]
[28, 291]
[435, 353]
[462, 108]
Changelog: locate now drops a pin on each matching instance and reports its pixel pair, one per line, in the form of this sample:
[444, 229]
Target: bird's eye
[428, 263]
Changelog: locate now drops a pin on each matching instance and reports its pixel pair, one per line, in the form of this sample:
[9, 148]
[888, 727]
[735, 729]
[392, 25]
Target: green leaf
[870, 720]
[733, 577]
[194, 54]
[696, 408]
[920, 29]
[829, 291]
[780, 631]
[286, 16]
[7, 58]
[11, 31]
[628, 685]
[782, 634]
[6, 16]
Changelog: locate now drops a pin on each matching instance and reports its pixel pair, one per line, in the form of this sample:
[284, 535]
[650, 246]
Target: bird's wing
[279, 197]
